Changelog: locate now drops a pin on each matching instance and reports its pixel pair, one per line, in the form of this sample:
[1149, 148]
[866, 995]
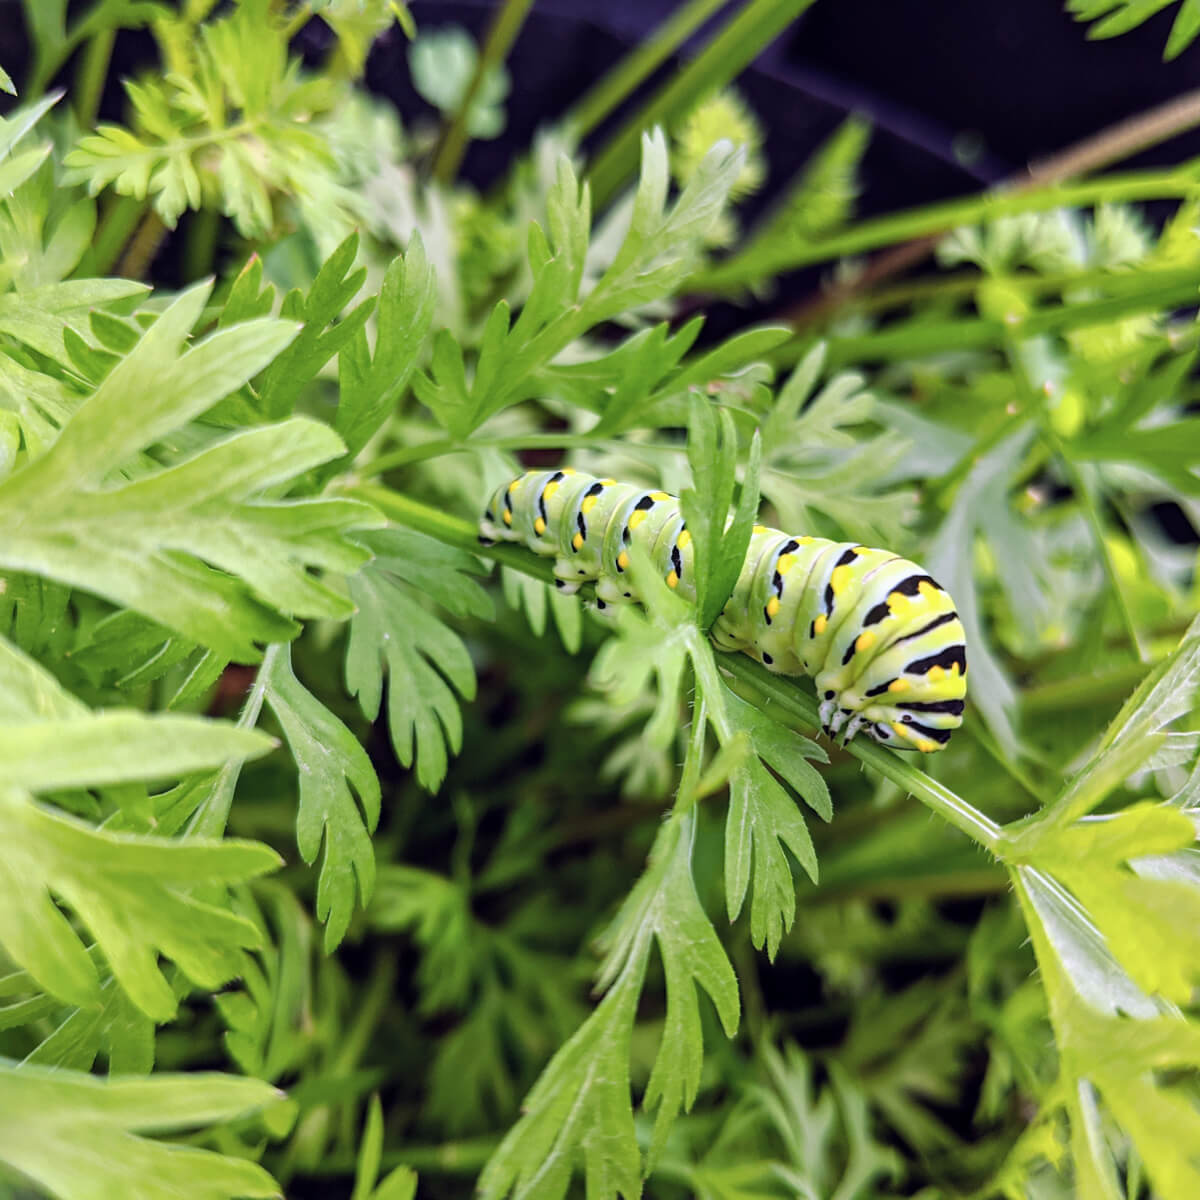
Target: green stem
[636, 67]
[454, 531]
[118, 221]
[91, 76]
[452, 145]
[142, 246]
[738, 270]
[200, 243]
[739, 42]
[1151, 291]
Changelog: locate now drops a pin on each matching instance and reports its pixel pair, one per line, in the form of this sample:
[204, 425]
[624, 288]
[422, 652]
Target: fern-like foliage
[234, 127]
[1111, 18]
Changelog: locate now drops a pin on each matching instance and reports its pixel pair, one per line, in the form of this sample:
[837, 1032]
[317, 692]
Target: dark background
[1009, 80]
[1006, 80]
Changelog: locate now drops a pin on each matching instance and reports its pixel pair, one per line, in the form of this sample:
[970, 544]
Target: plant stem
[1165, 289]
[638, 65]
[739, 42]
[1110, 145]
[454, 531]
[200, 243]
[91, 76]
[452, 144]
[937, 219]
[451, 530]
[142, 246]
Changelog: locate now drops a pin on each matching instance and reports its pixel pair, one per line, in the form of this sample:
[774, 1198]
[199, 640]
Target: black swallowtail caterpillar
[878, 636]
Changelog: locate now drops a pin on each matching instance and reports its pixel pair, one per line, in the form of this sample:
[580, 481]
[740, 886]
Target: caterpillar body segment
[879, 637]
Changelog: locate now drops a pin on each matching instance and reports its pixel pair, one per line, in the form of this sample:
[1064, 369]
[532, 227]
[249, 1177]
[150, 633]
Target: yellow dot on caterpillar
[577, 541]
[772, 606]
[516, 483]
[927, 590]
[937, 674]
[549, 490]
[899, 730]
[589, 502]
[539, 527]
[898, 685]
[865, 640]
[784, 563]
[819, 624]
[927, 747]
[897, 602]
[760, 529]
[684, 540]
[804, 541]
[672, 580]
[608, 482]
[568, 470]
[860, 550]
[637, 518]
[623, 560]
[659, 497]
[840, 579]
[508, 516]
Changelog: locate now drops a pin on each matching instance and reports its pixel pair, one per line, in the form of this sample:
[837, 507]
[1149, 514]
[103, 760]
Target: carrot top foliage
[342, 855]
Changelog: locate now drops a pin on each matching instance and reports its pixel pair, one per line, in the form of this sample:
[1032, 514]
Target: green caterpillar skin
[881, 639]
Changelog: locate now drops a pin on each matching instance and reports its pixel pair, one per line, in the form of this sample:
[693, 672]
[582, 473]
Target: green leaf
[692, 959]
[392, 631]
[39, 317]
[112, 747]
[762, 821]
[6, 83]
[443, 62]
[785, 751]
[78, 1137]
[720, 551]
[579, 1108]
[537, 599]
[234, 126]
[981, 502]
[1115, 17]
[579, 1112]
[146, 543]
[370, 386]
[136, 894]
[330, 761]
[118, 1027]
[657, 252]
[29, 692]
[323, 331]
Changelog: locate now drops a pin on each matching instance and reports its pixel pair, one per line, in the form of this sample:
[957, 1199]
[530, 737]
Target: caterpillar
[879, 637]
